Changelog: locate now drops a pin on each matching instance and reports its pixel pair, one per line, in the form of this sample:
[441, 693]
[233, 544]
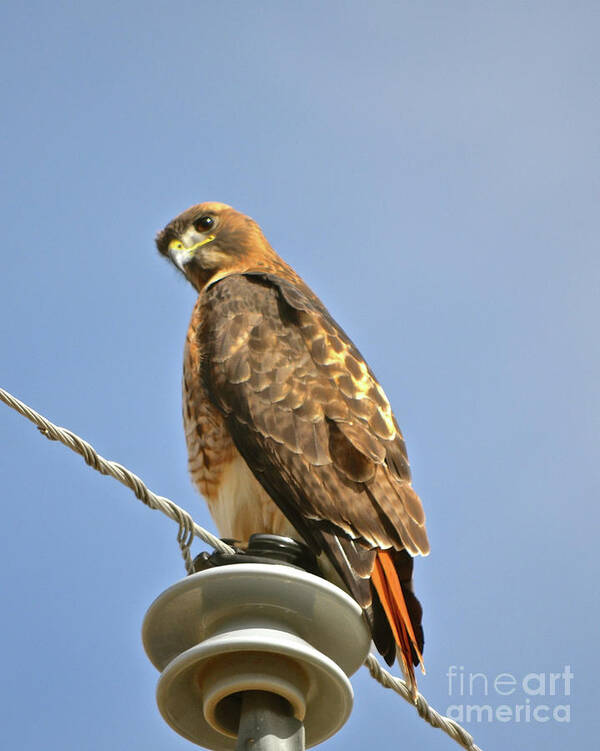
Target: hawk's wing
[311, 422]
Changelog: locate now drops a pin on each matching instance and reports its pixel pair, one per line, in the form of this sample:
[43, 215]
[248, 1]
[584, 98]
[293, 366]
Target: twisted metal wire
[188, 529]
[425, 710]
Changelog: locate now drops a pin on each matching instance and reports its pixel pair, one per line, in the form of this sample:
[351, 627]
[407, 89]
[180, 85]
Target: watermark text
[525, 690]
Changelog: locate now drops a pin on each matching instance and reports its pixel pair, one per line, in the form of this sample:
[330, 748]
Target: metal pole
[267, 724]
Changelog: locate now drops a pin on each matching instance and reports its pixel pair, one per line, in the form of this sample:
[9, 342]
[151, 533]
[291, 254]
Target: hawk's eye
[204, 223]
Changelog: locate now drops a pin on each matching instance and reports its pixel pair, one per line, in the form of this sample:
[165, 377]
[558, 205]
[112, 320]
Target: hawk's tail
[393, 597]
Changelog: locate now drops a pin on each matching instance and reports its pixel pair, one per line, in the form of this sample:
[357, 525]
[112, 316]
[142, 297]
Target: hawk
[288, 430]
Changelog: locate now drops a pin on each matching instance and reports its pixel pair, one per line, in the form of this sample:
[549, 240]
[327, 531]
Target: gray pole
[267, 724]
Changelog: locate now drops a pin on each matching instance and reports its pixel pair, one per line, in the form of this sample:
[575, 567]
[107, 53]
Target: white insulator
[247, 627]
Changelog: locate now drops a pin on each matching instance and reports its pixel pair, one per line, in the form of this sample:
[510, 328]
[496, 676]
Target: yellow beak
[180, 255]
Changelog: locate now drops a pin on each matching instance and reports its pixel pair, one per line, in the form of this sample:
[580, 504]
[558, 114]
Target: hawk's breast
[237, 502]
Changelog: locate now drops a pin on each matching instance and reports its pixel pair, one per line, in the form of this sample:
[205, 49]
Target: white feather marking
[242, 507]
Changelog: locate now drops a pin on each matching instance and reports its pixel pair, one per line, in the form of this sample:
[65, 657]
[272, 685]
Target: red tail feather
[388, 587]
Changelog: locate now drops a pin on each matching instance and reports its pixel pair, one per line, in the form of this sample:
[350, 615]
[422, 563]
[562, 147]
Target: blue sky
[432, 170]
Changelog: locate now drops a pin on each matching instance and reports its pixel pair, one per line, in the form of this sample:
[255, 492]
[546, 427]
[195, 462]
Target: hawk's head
[212, 239]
